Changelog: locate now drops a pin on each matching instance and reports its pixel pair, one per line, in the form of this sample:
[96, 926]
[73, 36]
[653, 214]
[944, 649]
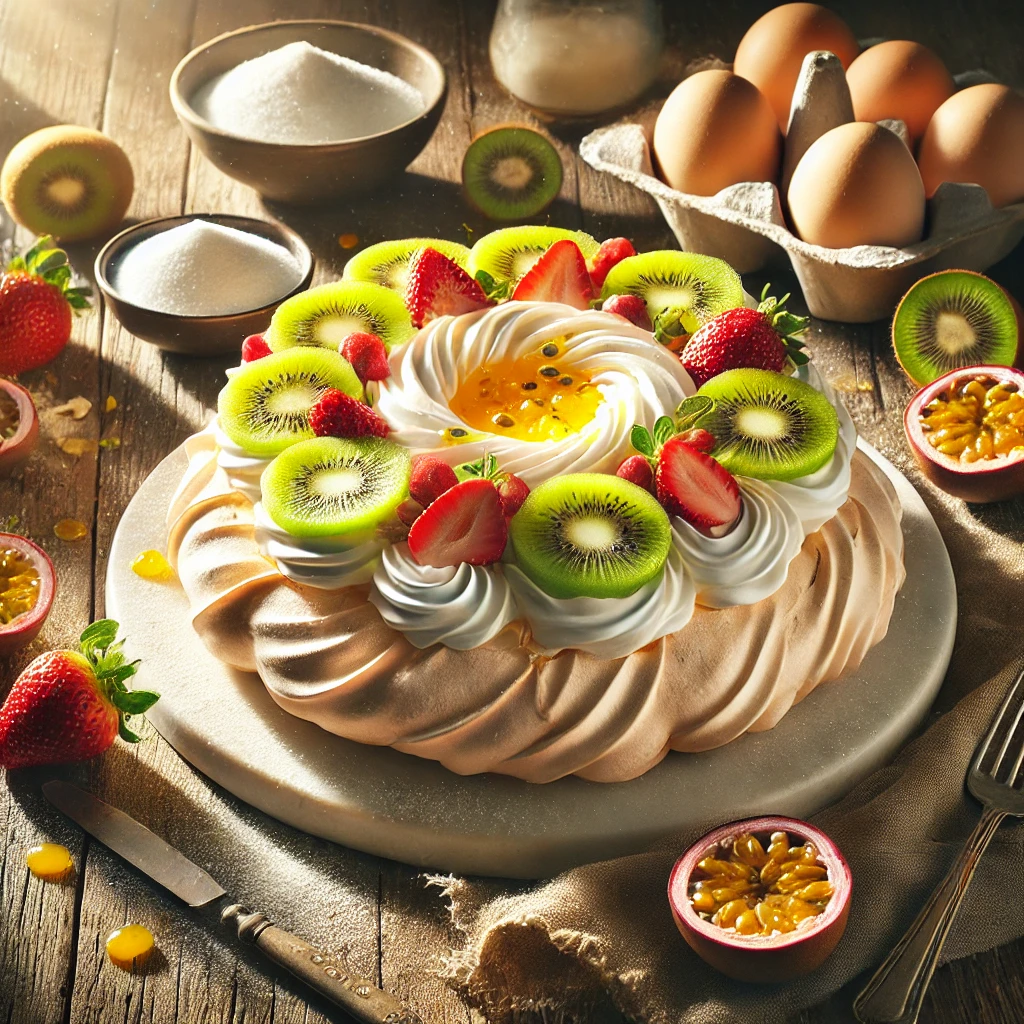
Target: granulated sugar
[303, 95]
[205, 269]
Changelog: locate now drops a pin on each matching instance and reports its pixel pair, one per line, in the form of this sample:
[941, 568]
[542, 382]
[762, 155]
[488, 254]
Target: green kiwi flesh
[768, 425]
[952, 319]
[336, 487]
[509, 253]
[590, 535]
[326, 315]
[510, 173]
[387, 263]
[66, 181]
[698, 287]
[264, 407]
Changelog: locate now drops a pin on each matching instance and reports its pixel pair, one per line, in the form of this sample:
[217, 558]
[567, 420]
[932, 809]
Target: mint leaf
[640, 438]
[692, 409]
[99, 636]
[664, 428]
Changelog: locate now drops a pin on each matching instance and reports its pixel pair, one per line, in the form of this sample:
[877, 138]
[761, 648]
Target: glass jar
[576, 58]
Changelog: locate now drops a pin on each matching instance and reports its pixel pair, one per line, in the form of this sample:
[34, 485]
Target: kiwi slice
[695, 287]
[336, 487]
[326, 315]
[264, 407]
[511, 172]
[67, 181]
[768, 425]
[387, 263]
[590, 535]
[508, 253]
[951, 319]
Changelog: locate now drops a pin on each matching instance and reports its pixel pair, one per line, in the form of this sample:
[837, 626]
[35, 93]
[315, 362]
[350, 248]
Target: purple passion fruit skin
[759, 958]
[17, 445]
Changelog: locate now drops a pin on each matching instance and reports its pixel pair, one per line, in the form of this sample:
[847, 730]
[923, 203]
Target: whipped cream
[646, 382]
[608, 627]
[325, 562]
[751, 561]
[460, 606]
[243, 470]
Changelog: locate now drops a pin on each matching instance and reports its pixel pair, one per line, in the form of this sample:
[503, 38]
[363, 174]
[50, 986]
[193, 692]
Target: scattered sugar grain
[303, 95]
[205, 269]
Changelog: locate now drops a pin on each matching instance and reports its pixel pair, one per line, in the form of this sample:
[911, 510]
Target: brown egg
[857, 185]
[715, 130]
[977, 136]
[774, 47]
[899, 79]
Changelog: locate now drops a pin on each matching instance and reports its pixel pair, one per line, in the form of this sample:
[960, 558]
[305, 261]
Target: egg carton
[745, 225]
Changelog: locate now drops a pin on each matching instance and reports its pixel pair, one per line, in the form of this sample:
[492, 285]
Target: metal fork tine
[1015, 695]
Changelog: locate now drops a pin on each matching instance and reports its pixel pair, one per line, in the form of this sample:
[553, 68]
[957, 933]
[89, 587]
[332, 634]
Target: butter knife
[327, 974]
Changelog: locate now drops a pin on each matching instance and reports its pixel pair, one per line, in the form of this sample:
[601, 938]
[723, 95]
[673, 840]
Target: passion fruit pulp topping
[744, 888]
[19, 585]
[532, 398]
[979, 418]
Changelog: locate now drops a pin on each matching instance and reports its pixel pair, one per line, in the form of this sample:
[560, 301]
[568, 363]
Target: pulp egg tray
[745, 226]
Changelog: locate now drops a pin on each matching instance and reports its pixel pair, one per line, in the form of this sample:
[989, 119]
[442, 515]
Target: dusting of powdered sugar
[302, 95]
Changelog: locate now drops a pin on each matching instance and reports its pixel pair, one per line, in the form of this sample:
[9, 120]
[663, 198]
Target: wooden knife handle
[325, 972]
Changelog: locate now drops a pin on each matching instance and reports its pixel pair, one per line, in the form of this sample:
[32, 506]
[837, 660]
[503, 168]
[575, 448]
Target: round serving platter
[396, 805]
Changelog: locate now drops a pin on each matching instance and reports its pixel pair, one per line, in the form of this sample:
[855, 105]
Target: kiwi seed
[952, 319]
[67, 181]
[768, 425]
[590, 535]
[387, 263]
[511, 172]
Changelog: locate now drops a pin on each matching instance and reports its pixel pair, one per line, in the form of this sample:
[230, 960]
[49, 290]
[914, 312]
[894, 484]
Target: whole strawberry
[757, 339]
[35, 307]
[69, 705]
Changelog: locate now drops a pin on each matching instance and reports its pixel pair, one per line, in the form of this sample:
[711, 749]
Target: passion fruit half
[19, 426]
[27, 586]
[966, 430]
[762, 900]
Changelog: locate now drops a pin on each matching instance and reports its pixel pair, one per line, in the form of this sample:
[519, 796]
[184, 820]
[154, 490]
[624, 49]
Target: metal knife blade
[133, 841]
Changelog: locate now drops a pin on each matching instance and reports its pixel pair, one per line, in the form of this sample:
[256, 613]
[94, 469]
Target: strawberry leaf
[640, 438]
[125, 733]
[134, 702]
[496, 290]
[664, 428]
[99, 636]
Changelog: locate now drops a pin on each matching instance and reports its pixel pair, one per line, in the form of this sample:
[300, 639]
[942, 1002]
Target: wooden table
[106, 64]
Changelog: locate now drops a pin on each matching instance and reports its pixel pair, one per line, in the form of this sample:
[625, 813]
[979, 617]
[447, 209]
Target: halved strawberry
[465, 524]
[339, 415]
[513, 491]
[430, 479]
[697, 438]
[612, 251]
[631, 308]
[438, 286]
[637, 470]
[254, 347]
[697, 488]
[560, 275]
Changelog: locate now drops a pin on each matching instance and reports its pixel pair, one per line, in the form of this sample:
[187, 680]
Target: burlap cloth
[603, 933]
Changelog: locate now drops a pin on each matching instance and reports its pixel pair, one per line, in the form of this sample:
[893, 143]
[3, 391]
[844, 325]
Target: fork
[896, 990]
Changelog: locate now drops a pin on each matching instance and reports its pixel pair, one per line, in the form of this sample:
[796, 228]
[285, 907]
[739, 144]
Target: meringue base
[328, 657]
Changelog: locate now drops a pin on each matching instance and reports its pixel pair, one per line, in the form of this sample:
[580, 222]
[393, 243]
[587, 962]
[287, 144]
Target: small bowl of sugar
[305, 111]
[199, 284]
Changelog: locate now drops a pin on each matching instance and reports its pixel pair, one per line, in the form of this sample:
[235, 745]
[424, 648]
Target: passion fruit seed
[980, 419]
[744, 888]
[9, 417]
[19, 585]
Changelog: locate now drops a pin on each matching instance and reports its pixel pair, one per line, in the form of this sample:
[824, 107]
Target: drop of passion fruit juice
[531, 398]
[50, 861]
[130, 946]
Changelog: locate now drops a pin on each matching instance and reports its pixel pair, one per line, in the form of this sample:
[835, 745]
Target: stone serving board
[403, 807]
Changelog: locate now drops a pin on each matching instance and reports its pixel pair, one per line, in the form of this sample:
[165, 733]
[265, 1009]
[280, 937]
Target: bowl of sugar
[309, 110]
[199, 284]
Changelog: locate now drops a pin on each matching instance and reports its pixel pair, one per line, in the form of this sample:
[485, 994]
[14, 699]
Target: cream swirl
[243, 470]
[460, 606]
[751, 561]
[604, 626]
[324, 562]
[818, 496]
[639, 381]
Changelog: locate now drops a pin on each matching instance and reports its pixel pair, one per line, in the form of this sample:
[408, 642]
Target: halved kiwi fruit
[698, 287]
[768, 425]
[952, 319]
[511, 172]
[387, 263]
[508, 254]
[67, 181]
[326, 315]
[264, 407]
[336, 487]
[590, 535]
